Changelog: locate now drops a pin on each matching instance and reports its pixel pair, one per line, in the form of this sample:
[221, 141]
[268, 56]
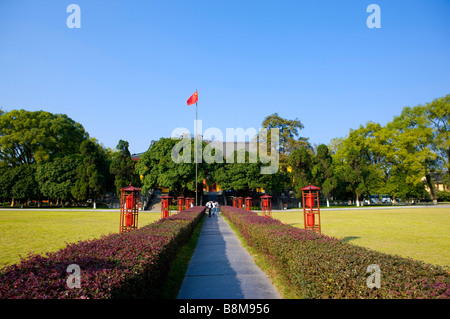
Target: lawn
[23, 231]
[418, 233]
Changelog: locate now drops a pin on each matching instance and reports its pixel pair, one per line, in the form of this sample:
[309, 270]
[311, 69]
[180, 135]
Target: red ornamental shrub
[128, 265]
[319, 266]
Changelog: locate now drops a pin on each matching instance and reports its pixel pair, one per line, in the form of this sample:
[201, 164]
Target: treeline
[49, 156]
[45, 156]
[399, 160]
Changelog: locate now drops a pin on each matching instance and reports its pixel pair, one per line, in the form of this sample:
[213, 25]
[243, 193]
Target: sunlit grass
[24, 231]
[418, 233]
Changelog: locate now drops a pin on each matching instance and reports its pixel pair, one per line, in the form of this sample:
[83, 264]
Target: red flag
[193, 99]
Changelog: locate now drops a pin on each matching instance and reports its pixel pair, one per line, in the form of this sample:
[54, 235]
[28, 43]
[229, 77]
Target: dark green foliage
[159, 170]
[290, 138]
[300, 162]
[19, 182]
[91, 173]
[122, 167]
[32, 137]
[57, 178]
[443, 196]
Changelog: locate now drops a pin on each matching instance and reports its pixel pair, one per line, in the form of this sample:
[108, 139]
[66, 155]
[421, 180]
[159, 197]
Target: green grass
[24, 231]
[418, 233]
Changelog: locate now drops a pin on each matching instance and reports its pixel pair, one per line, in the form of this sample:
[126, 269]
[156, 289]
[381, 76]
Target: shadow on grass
[349, 238]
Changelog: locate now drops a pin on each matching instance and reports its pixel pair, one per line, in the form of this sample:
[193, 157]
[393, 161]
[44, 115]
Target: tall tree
[91, 173]
[412, 139]
[300, 163]
[322, 172]
[290, 138]
[123, 167]
[160, 170]
[25, 186]
[57, 178]
[361, 161]
[437, 113]
[356, 173]
[18, 183]
[32, 137]
[245, 178]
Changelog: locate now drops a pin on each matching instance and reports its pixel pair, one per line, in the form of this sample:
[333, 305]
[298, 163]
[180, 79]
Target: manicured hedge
[127, 265]
[319, 266]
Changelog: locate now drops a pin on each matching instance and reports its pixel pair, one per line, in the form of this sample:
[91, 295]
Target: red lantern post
[180, 203]
[240, 202]
[266, 205]
[187, 203]
[165, 206]
[129, 208]
[248, 203]
[311, 212]
[235, 202]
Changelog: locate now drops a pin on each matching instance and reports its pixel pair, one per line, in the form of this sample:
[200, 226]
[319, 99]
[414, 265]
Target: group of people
[212, 207]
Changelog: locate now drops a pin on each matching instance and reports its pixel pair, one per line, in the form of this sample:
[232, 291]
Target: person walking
[209, 207]
[214, 208]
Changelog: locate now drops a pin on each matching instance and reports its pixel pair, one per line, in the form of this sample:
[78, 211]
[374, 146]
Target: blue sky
[128, 71]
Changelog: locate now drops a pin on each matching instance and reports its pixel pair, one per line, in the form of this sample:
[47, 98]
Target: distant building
[439, 183]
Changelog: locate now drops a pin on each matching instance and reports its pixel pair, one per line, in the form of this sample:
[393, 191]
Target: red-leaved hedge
[319, 266]
[128, 265]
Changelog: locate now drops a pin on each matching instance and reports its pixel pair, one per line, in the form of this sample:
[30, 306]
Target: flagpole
[195, 141]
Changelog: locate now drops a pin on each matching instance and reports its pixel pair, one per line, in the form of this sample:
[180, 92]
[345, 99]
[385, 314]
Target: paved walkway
[221, 268]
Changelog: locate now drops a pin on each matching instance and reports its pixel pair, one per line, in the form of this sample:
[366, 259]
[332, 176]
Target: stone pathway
[221, 268]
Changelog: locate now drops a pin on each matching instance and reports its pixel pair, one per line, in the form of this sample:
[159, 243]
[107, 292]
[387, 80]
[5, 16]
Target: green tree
[437, 113]
[300, 162]
[160, 170]
[91, 173]
[7, 180]
[25, 186]
[57, 178]
[33, 137]
[244, 178]
[356, 173]
[123, 167]
[290, 138]
[322, 172]
[361, 164]
[19, 183]
[401, 186]
[412, 154]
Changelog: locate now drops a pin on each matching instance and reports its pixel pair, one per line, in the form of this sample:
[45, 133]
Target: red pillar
[266, 205]
[165, 206]
[248, 203]
[129, 208]
[311, 208]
